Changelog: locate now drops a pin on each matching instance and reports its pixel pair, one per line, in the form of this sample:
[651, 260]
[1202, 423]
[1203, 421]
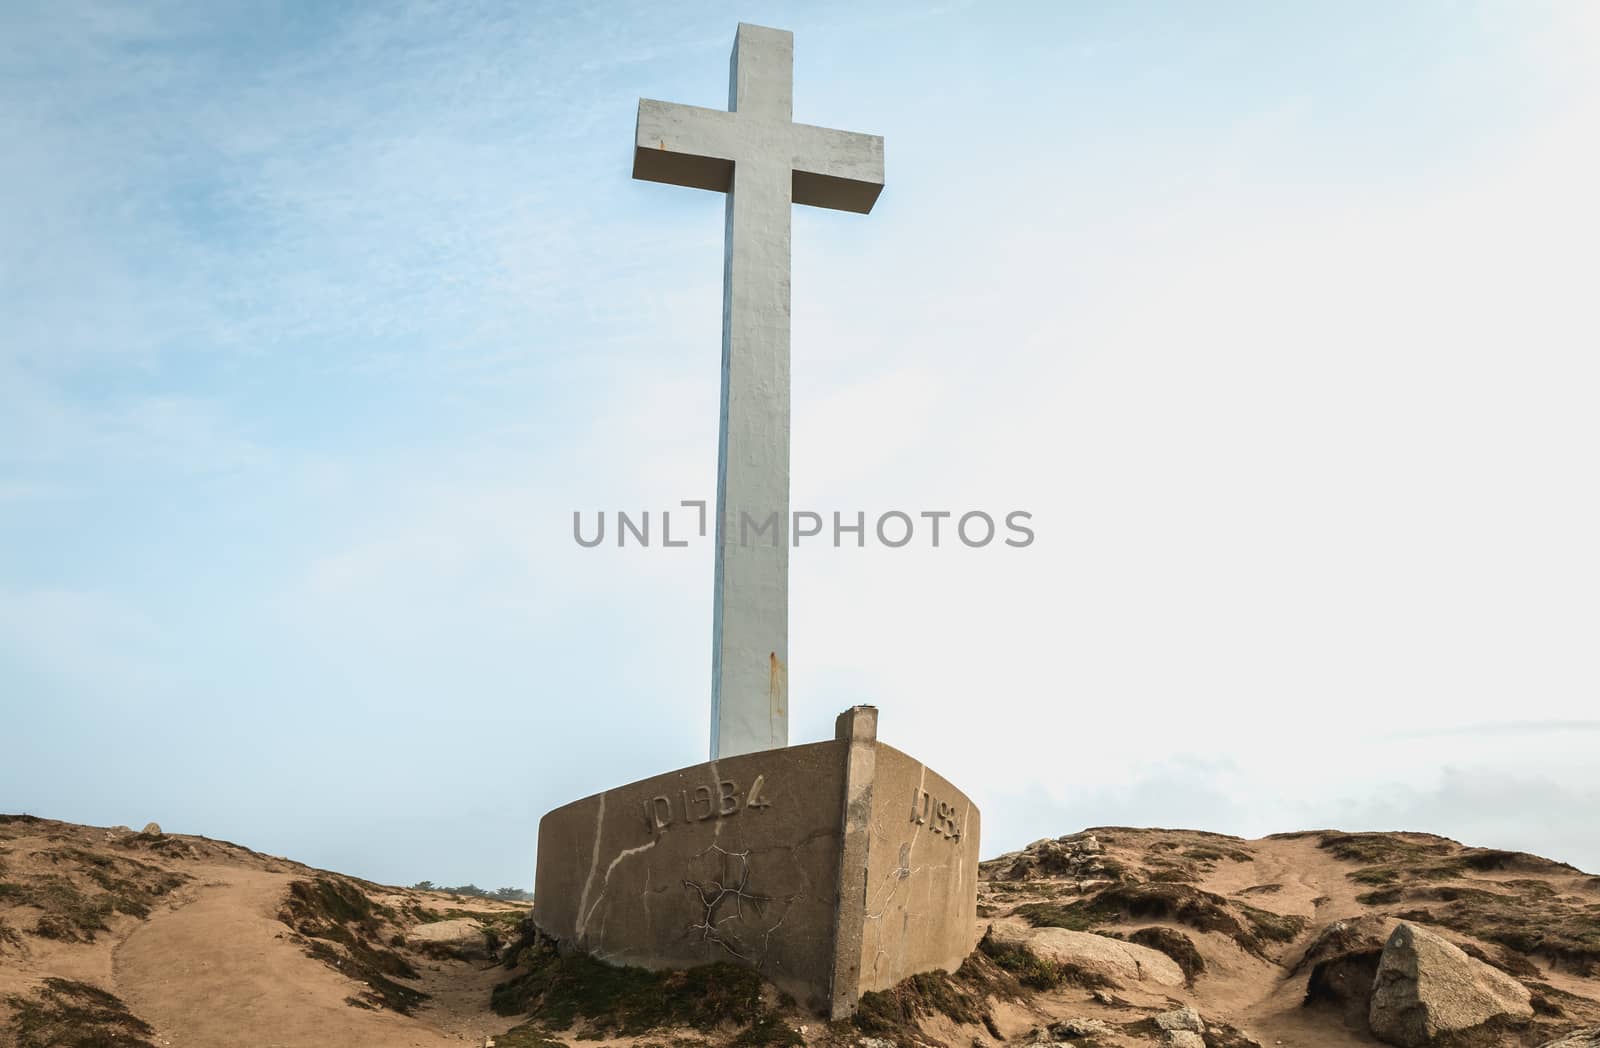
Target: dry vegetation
[1276, 940]
[61, 1013]
[72, 892]
[69, 895]
[1311, 911]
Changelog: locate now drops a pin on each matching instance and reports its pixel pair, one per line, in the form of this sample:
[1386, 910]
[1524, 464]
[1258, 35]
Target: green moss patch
[1374, 849]
[1177, 872]
[1390, 857]
[1485, 860]
[769, 1030]
[1527, 921]
[1213, 853]
[1027, 967]
[558, 991]
[500, 927]
[895, 1014]
[75, 912]
[329, 900]
[1174, 944]
[527, 1035]
[1269, 926]
[1569, 941]
[1381, 897]
[1074, 916]
[1252, 928]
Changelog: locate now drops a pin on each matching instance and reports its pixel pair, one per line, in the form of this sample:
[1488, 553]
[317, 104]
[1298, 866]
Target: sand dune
[108, 937]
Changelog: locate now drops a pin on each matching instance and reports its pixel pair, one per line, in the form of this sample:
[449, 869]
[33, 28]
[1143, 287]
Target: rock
[116, 833]
[1589, 1038]
[151, 829]
[1426, 987]
[1341, 938]
[1077, 857]
[462, 935]
[1110, 959]
[1080, 1028]
[1184, 1039]
[1219, 1034]
[875, 1042]
[1181, 1019]
[1344, 964]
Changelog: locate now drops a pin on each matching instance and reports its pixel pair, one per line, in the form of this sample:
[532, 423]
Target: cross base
[833, 868]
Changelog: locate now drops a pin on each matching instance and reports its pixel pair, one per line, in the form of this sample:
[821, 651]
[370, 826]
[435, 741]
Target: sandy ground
[1263, 997]
[220, 971]
[213, 966]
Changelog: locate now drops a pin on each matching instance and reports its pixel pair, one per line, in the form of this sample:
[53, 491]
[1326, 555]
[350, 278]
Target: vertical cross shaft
[750, 612]
[764, 163]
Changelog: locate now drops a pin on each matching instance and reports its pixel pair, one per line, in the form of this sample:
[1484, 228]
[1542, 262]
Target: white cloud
[1305, 437]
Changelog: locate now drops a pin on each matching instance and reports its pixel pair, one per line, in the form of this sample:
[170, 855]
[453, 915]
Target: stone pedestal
[833, 868]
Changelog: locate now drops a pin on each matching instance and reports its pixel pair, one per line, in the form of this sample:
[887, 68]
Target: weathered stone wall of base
[922, 873]
[733, 860]
[832, 868]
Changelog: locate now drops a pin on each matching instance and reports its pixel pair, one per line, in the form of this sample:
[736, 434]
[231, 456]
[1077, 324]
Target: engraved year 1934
[704, 802]
[927, 810]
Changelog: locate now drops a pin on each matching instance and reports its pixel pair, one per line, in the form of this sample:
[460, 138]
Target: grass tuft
[769, 1030]
[333, 910]
[74, 913]
[527, 1035]
[1031, 970]
[558, 991]
[894, 1014]
[1252, 928]
[1174, 944]
[67, 1014]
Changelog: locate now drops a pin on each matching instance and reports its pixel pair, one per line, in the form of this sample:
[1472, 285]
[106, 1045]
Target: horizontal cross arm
[841, 170]
[684, 145]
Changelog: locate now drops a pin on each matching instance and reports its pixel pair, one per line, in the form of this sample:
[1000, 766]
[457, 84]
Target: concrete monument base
[834, 868]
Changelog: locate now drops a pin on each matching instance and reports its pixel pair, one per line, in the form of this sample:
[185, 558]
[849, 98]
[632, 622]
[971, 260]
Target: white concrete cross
[764, 162]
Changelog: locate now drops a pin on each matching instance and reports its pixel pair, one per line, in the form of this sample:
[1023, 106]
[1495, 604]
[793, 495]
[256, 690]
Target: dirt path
[222, 972]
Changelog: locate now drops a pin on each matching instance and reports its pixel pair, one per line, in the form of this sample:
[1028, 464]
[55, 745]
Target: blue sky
[320, 320]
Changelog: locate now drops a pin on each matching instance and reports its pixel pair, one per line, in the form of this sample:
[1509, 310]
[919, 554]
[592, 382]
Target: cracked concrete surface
[923, 911]
[760, 860]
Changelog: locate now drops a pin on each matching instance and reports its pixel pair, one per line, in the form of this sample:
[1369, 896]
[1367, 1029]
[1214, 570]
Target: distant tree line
[504, 894]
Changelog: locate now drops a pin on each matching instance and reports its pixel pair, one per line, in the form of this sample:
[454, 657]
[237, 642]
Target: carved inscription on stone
[928, 810]
[700, 803]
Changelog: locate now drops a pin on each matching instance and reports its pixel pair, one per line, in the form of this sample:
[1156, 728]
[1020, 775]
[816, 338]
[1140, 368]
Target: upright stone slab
[833, 868]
